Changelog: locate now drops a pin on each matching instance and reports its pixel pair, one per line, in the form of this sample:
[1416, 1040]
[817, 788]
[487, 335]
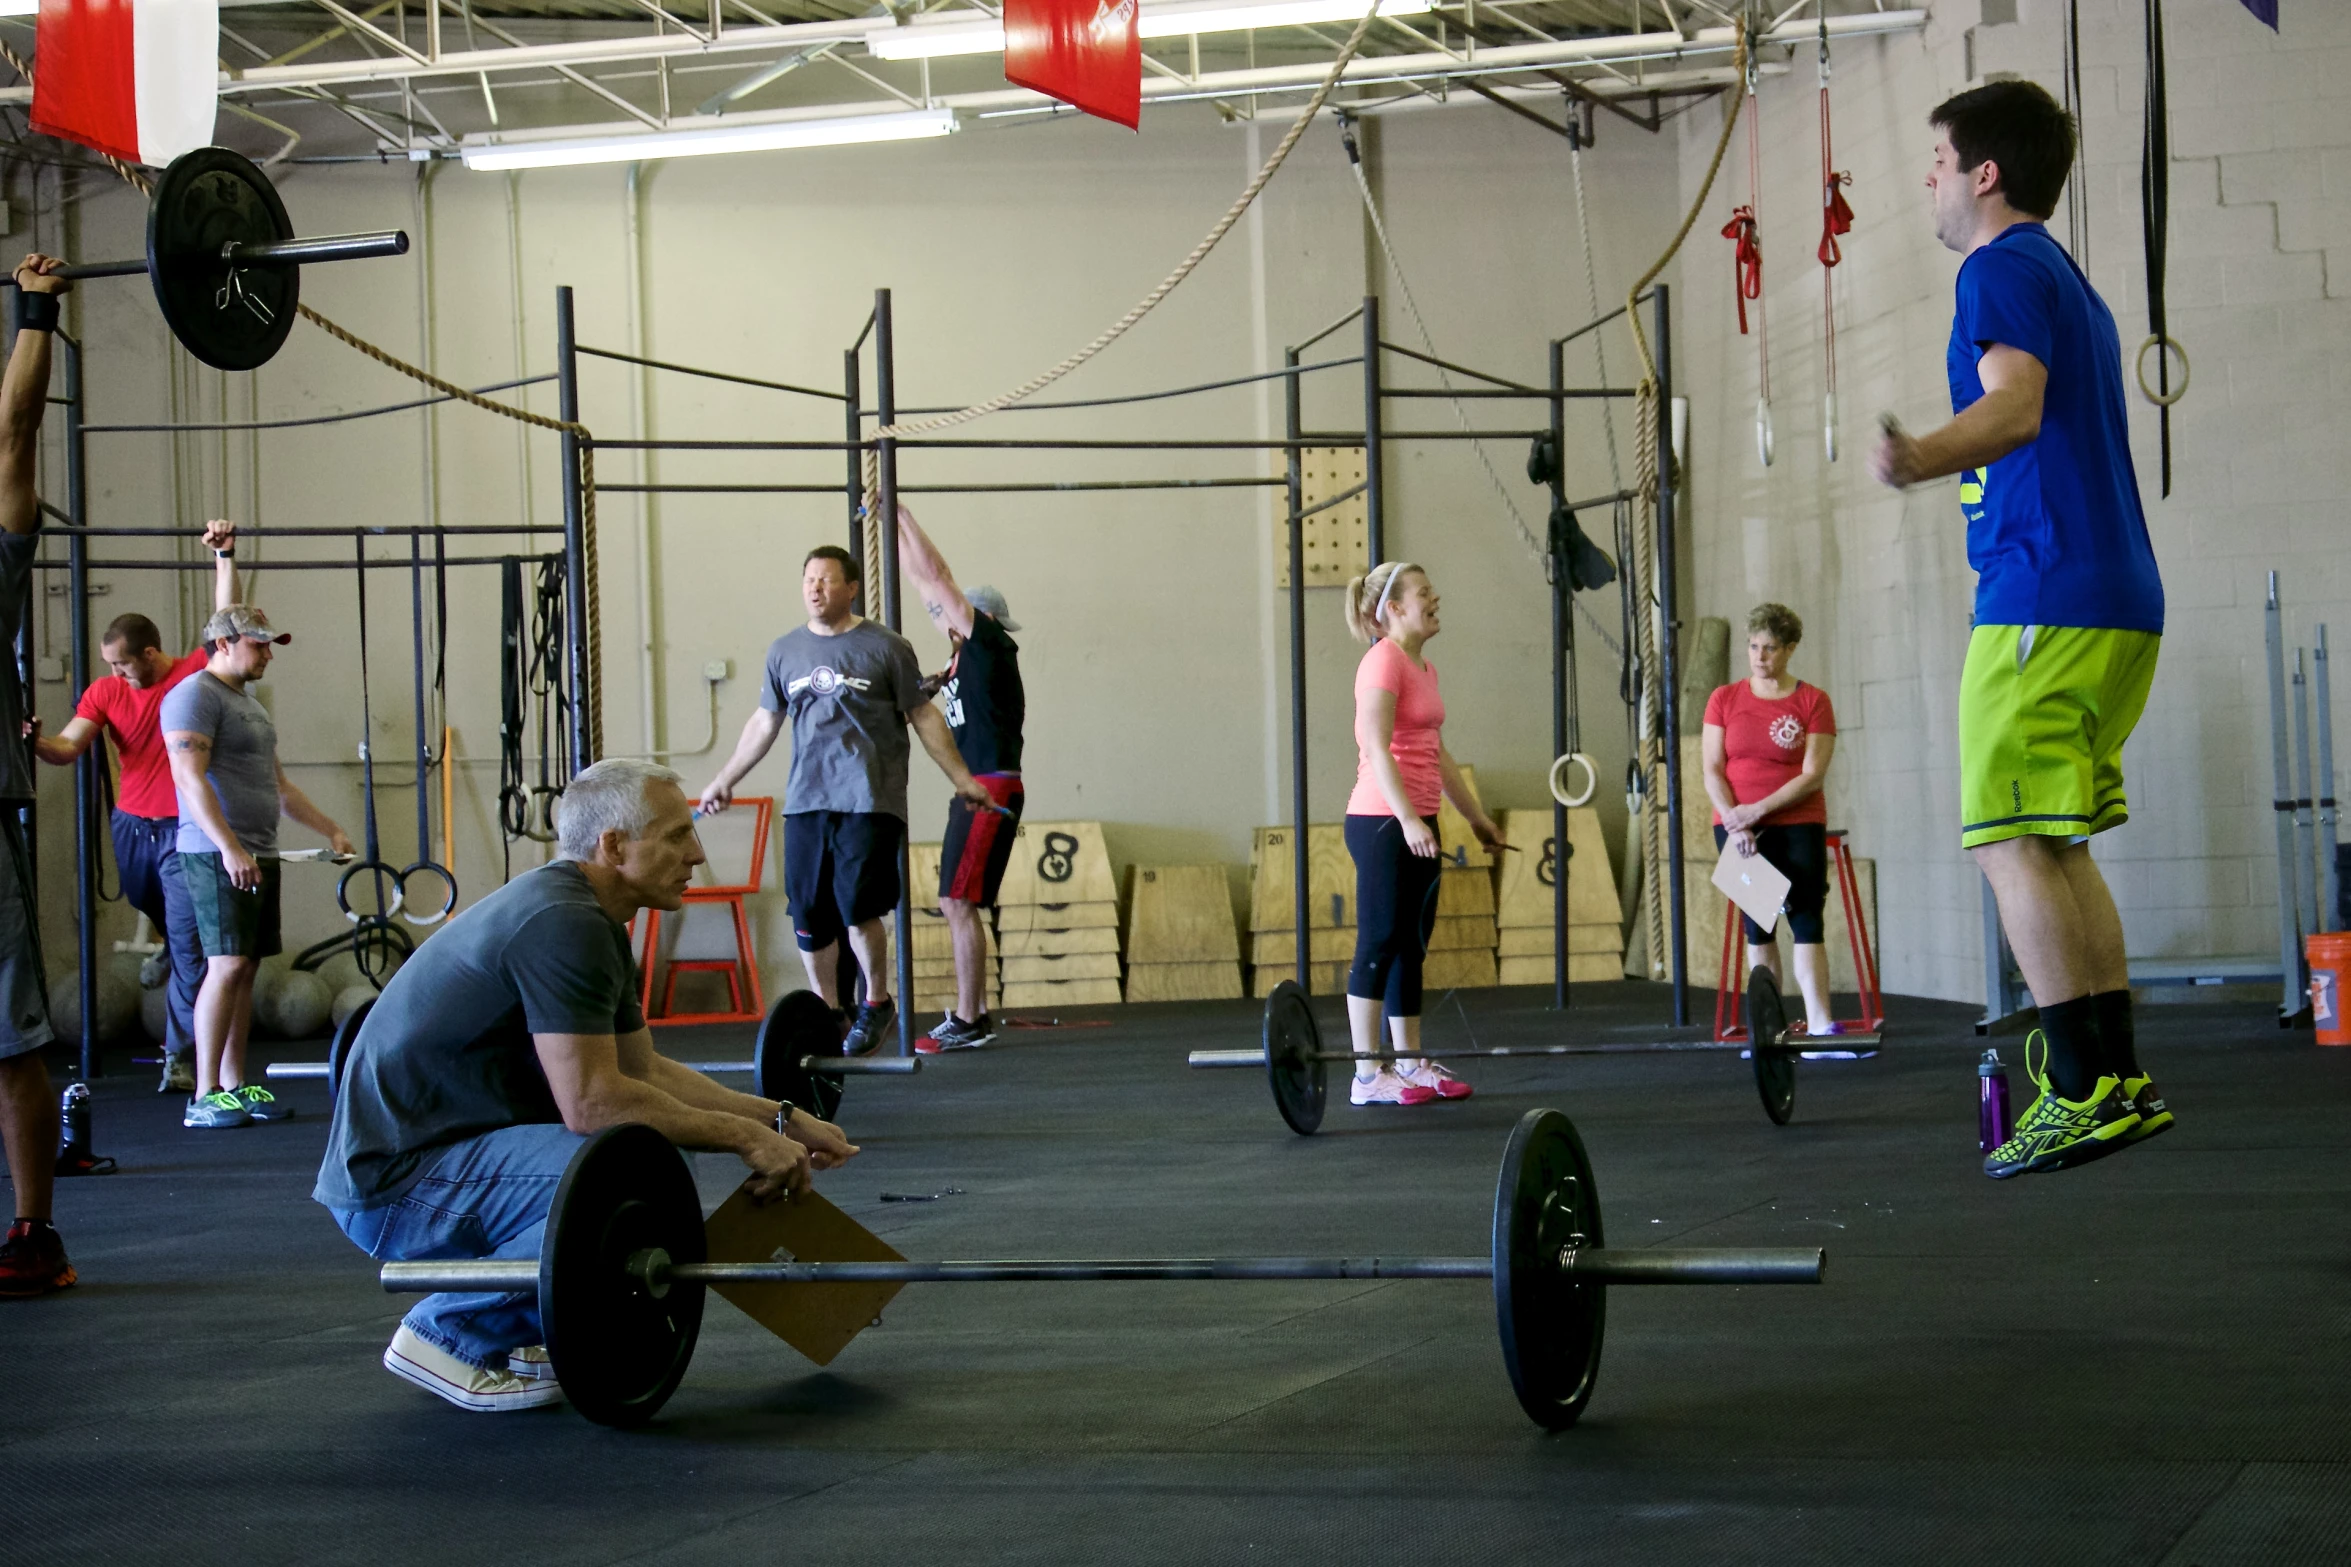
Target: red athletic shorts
[978, 844]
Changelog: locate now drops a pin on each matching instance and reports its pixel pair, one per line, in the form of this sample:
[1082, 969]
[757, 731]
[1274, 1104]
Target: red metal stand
[1730, 1024]
[741, 970]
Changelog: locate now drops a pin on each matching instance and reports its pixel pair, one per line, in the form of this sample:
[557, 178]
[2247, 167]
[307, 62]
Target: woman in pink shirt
[1402, 771]
[1766, 749]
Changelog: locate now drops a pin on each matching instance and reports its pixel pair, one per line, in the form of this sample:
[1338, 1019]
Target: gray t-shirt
[447, 1054]
[847, 697]
[16, 574]
[244, 768]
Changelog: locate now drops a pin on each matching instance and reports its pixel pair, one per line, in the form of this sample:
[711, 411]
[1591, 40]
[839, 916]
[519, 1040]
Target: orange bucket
[2330, 986]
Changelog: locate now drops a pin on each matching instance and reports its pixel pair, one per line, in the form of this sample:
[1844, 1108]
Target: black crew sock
[2074, 1056]
[37, 1225]
[2118, 1038]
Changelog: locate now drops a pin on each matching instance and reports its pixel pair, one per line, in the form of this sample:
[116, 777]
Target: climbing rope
[1150, 301]
[1650, 758]
[1836, 217]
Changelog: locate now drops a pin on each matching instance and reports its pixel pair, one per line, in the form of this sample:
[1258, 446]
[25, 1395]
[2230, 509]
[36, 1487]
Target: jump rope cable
[1379, 228]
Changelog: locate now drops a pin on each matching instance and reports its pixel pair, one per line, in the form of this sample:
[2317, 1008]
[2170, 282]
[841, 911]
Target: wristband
[227, 554]
[31, 312]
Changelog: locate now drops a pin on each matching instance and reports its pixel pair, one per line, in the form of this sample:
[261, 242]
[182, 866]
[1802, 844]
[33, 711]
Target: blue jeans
[485, 1197]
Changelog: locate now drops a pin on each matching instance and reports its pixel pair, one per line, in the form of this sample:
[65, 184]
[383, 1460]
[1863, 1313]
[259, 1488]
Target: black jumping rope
[425, 864]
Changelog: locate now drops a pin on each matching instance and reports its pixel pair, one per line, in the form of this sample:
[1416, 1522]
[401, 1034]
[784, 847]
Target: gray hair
[608, 797]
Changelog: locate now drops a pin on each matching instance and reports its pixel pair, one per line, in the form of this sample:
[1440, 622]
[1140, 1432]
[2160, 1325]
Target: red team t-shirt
[1763, 745]
[112, 703]
[1420, 714]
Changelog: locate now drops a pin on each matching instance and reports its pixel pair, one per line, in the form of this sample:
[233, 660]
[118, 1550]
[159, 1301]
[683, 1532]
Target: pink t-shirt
[1420, 714]
[111, 702]
[1763, 745]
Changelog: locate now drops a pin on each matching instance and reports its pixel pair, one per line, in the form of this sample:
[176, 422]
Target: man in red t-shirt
[1766, 748]
[146, 808]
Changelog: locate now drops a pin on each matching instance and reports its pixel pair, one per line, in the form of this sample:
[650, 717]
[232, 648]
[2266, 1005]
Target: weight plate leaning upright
[346, 1035]
[1775, 1063]
[1293, 1049]
[798, 1025]
[1551, 1321]
[231, 318]
[618, 1347]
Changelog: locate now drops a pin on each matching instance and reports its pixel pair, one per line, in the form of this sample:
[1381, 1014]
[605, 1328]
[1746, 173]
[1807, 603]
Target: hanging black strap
[2155, 221]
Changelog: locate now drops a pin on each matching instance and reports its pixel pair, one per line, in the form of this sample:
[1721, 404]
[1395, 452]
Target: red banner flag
[1084, 52]
[133, 78]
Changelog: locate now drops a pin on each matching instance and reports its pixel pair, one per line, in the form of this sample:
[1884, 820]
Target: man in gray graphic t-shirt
[850, 688]
[224, 766]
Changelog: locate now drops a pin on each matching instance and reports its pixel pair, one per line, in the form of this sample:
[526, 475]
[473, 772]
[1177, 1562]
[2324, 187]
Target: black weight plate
[1293, 1049]
[1775, 1064]
[205, 199]
[346, 1035]
[798, 1025]
[1552, 1323]
[617, 1350]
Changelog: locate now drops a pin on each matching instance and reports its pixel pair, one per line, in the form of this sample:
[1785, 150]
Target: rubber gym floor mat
[2139, 1362]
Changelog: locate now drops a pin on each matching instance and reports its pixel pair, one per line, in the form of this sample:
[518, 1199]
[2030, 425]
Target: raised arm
[221, 538]
[24, 395]
[942, 600]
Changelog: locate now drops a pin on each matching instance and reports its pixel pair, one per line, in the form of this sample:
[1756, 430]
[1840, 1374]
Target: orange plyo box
[818, 1320]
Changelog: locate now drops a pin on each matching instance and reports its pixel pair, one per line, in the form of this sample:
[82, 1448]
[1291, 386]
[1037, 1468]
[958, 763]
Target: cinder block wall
[2260, 221]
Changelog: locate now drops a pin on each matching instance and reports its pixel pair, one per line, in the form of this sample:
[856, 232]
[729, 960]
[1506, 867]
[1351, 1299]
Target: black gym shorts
[840, 869]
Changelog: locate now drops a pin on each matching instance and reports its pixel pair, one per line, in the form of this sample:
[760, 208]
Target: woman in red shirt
[1402, 771]
[1768, 740]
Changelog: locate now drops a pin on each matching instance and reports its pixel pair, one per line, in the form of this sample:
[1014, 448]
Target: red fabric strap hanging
[1084, 52]
[1746, 260]
[1836, 215]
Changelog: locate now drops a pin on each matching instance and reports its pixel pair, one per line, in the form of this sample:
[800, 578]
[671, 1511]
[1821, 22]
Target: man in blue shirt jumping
[2068, 611]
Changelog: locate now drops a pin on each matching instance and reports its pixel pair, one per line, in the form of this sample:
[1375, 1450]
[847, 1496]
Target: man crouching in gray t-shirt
[850, 687]
[508, 1038]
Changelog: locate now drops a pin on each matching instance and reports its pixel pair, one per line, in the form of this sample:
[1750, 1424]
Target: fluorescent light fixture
[1183, 18]
[772, 136]
[20, 7]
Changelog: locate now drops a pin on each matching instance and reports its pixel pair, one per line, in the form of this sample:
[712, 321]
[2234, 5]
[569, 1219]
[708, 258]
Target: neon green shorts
[2043, 713]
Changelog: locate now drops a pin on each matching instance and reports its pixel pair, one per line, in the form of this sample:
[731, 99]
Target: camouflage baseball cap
[243, 620]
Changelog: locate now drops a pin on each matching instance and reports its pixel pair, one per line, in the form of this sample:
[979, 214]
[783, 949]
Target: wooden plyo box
[1062, 993]
[1323, 979]
[1525, 891]
[1330, 879]
[1181, 944]
[1583, 968]
[1012, 917]
[1059, 862]
[1212, 981]
[1060, 943]
[1078, 965]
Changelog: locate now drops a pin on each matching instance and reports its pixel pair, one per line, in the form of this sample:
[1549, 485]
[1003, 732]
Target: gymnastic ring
[543, 815]
[373, 867]
[448, 904]
[2139, 368]
[514, 811]
[1591, 779]
[1764, 446]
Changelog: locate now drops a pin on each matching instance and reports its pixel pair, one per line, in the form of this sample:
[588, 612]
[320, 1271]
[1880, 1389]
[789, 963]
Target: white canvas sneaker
[468, 1387]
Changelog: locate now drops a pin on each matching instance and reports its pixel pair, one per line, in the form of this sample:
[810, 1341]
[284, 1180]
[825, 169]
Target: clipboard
[1753, 883]
[818, 1320]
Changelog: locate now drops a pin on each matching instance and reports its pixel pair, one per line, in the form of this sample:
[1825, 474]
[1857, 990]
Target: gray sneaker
[215, 1111]
[873, 1024]
[953, 1033]
[179, 1075]
[261, 1104]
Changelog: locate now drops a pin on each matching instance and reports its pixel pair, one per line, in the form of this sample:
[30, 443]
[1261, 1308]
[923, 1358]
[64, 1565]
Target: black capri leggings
[1395, 909]
[1800, 852]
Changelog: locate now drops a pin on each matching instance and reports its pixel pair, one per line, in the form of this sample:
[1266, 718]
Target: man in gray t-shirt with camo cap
[223, 750]
[850, 688]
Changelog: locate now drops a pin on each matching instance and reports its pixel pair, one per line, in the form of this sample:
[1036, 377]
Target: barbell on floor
[797, 1056]
[624, 1264]
[223, 259]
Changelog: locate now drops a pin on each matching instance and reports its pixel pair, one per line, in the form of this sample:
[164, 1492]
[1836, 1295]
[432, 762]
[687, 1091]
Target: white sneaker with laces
[531, 1363]
[1386, 1088]
[467, 1386]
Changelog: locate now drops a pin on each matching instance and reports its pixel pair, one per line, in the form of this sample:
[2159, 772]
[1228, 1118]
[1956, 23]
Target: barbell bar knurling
[1721, 1266]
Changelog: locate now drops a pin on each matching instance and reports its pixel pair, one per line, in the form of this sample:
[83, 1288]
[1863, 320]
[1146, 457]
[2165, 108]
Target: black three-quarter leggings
[1395, 909]
[1800, 852]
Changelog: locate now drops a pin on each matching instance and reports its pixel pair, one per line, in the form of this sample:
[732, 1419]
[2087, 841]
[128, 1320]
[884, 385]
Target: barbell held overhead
[224, 261]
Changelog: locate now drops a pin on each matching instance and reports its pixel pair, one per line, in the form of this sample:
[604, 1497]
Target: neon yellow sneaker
[2154, 1117]
[2056, 1133]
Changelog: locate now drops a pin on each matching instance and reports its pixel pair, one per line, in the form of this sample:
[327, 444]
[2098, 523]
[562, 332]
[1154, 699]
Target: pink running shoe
[1388, 1089]
[1440, 1083]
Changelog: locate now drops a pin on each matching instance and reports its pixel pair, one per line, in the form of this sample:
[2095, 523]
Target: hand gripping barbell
[222, 255]
[624, 1264]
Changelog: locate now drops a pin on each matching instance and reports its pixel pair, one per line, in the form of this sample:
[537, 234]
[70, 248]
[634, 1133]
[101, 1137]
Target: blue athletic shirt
[2054, 529]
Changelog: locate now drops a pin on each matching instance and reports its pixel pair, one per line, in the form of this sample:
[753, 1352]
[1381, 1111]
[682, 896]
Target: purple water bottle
[1993, 1119]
